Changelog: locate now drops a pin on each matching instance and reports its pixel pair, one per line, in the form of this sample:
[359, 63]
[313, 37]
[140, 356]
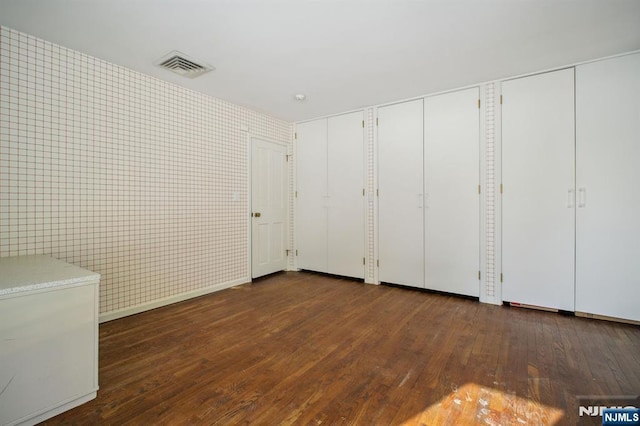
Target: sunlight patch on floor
[473, 404]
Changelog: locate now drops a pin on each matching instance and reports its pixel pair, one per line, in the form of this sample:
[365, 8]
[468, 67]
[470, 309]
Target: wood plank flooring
[301, 348]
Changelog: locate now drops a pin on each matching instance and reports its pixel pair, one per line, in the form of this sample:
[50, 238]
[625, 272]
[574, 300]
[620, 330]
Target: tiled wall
[144, 181]
[138, 179]
[490, 291]
[370, 235]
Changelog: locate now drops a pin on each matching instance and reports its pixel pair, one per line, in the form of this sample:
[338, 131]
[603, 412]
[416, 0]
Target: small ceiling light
[300, 97]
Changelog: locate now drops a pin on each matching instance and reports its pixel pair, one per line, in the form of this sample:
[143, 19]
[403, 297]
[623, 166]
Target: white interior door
[400, 199]
[346, 199]
[312, 202]
[538, 165]
[452, 202]
[269, 207]
[608, 209]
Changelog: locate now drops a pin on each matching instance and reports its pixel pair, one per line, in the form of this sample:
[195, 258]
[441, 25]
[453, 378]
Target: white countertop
[28, 273]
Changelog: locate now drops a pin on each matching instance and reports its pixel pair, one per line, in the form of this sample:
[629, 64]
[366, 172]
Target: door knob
[258, 215]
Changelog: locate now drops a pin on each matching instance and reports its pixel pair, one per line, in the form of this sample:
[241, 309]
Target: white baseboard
[109, 316]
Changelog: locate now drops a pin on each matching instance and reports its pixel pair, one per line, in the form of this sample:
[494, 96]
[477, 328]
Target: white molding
[248, 206]
[110, 316]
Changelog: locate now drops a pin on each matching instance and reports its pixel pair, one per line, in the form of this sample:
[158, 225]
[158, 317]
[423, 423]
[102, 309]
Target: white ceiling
[343, 54]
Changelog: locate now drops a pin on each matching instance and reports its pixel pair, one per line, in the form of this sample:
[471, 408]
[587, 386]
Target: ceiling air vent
[183, 65]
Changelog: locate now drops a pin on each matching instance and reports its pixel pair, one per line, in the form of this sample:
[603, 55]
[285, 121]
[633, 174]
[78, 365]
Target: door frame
[250, 139]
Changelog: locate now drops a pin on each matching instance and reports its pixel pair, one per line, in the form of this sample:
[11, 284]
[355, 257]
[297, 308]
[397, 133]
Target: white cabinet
[538, 216]
[452, 202]
[330, 203]
[428, 204]
[608, 209]
[49, 335]
[401, 190]
[311, 202]
[345, 233]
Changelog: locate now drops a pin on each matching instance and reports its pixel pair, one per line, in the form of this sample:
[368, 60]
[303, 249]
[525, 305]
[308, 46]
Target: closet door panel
[452, 206]
[608, 211]
[538, 216]
[311, 207]
[400, 200]
[346, 183]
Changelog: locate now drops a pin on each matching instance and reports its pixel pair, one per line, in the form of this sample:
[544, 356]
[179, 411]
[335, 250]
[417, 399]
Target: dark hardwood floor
[301, 348]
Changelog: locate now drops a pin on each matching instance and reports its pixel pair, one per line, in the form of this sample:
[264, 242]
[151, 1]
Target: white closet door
[452, 203]
[538, 215]
[346, 182]
[311, 211]
[269, 202]
[608, 212]
[400, 200]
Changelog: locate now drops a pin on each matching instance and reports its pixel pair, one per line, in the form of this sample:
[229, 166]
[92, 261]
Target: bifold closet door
[311, 206]
[400, 197]
[538, 164]
[346, 198]
[452, 203]
[608, 174]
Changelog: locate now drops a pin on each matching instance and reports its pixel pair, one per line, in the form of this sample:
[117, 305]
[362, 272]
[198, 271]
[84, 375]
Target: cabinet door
[346, 183]
[608, 150]
[49, 352]
[311, 211]
[452, 206]
[538, 216]
[400, 200]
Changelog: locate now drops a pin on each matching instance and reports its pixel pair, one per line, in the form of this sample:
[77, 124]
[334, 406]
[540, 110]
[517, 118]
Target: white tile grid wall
[370, 209]
[291, 260]
[489, 190]
[122, 173]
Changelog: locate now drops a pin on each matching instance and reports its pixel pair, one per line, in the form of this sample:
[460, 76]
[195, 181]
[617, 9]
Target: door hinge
[296, 252]
[377, 192]
[363, 261]
[501, 277]
[376, 121]
[479, 275]
[501, 188]
[363, 124]
[251, 214]
[295, 135]
[287, 252]
[500, 99]
[363, 192]
[296, 194]
[378, 263]
[479, 189]
[478, 103]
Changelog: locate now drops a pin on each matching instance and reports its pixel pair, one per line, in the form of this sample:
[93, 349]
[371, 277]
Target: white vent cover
[183, 65]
